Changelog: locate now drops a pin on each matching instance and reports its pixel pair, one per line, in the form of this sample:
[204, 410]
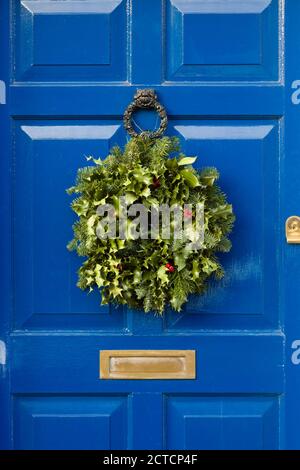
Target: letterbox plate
[148, 364]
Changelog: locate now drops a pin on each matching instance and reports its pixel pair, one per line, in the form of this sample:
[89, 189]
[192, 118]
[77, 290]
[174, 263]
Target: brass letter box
[147, 364]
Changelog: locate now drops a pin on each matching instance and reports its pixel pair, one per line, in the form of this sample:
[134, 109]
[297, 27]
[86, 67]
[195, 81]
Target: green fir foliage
[148, 274]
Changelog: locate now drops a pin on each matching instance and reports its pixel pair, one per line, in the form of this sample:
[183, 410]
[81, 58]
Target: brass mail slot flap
[147, 364]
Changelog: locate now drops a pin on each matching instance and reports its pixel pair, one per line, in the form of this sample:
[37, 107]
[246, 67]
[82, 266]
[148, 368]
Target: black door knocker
[145, 99]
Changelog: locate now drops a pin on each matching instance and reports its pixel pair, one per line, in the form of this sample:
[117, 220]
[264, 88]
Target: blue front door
[228, 73]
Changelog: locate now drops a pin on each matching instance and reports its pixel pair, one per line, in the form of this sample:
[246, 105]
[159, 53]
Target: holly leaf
[162, 275]
[146, 192]
[209, 266]
[209, 175]
[130, 197]
[195, 270]
[97, 161]
[120, 243]
[142, 177]
[137, 276]
[190, 178]
[90, 224]
[177, 302]
[187, 161]
[179, 261]
[80, 206]
[152, 201]
[172, 164]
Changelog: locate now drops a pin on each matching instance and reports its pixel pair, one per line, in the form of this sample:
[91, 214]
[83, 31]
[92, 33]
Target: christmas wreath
[148, 272]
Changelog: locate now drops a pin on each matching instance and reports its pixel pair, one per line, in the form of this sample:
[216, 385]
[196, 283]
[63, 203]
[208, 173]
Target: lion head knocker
[145, 98]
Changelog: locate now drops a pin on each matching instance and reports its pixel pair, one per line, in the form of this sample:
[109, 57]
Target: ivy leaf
[113, 248]
[115, 291]
[187, 161]
[190, 178]
[104, 300]
[98, 278]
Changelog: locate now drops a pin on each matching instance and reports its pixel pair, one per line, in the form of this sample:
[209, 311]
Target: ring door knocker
[145, 99]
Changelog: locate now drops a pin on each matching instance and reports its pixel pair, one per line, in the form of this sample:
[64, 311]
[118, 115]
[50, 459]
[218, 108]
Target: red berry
[170, 268]
[156, 182]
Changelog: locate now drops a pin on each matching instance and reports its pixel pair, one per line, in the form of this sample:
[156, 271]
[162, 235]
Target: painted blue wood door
[226, 71]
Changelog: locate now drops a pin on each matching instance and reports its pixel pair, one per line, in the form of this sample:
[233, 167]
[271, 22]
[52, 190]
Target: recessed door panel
[47, 156]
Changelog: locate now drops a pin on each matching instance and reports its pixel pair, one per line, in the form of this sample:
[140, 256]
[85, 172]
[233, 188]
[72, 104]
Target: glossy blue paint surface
[224, 70]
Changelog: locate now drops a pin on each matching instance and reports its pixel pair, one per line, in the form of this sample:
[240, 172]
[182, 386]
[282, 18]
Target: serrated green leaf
[177, 302]
[190, 178]
[187, 161]
[137, 276]
[162, 275]
[142, 177]
[180, 259]
[90, 224]
[80, 206]
[115, 291]
[130, 197]
[195, 270]
[146, 192]
[172, 164]
[120, 243]
[208, 265]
